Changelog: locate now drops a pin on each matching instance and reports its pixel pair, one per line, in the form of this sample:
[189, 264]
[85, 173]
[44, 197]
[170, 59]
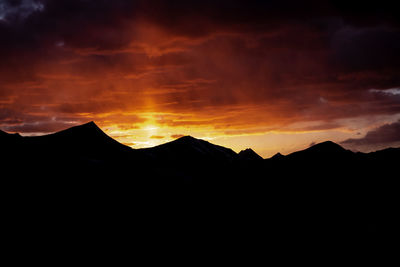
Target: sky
[276, 76]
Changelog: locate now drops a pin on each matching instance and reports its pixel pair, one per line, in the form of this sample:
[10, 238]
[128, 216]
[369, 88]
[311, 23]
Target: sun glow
[151, 128]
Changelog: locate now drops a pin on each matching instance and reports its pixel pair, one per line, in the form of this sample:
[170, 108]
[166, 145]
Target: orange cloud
[157, 137]
[176, 136]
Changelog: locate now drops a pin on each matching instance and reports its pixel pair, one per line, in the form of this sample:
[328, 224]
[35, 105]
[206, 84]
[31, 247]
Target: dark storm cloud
[103, 22]
[386, 134]
[108, 25]
[17, 10]
[78, 23]
[367, 48]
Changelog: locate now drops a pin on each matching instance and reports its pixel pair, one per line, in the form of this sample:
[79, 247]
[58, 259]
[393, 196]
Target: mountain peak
[326, 146]
[324, 150]
[189, 148]
[187, 138]
[249, 154]
[277, 156]
[89, 125]
[89, 128]
[190, 140]
[86, 137]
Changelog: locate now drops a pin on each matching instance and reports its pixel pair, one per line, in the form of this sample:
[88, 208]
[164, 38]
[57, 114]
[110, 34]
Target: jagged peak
[249, 153]
[247, 150]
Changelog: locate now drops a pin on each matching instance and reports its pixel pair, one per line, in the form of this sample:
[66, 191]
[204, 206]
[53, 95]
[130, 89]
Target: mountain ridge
[89, 138]
[193, 148]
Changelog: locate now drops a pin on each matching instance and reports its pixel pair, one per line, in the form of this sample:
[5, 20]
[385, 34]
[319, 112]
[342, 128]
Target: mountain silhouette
[89, 142]
[79, 146]
[324, 192]
[188, 148]
[323, 151]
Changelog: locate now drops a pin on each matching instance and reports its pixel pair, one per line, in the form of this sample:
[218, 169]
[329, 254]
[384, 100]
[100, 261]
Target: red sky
[271, 75]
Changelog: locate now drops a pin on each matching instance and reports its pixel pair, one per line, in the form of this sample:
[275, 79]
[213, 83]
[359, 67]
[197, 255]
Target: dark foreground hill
[194, 192]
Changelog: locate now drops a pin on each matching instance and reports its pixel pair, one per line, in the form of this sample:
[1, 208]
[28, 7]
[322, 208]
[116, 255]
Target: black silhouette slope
[188, 148]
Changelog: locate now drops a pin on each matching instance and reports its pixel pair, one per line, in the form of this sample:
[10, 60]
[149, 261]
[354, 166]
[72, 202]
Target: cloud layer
[383, 135]
[236, 67]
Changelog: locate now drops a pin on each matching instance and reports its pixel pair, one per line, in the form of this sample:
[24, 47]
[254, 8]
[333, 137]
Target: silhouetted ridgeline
[88, 150]
[324, 194]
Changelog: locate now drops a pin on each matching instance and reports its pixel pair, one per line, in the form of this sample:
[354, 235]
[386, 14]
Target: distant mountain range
[88, 142]
[324, 194]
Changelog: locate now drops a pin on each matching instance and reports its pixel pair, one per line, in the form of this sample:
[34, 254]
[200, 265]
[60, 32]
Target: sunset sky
[275, 76]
